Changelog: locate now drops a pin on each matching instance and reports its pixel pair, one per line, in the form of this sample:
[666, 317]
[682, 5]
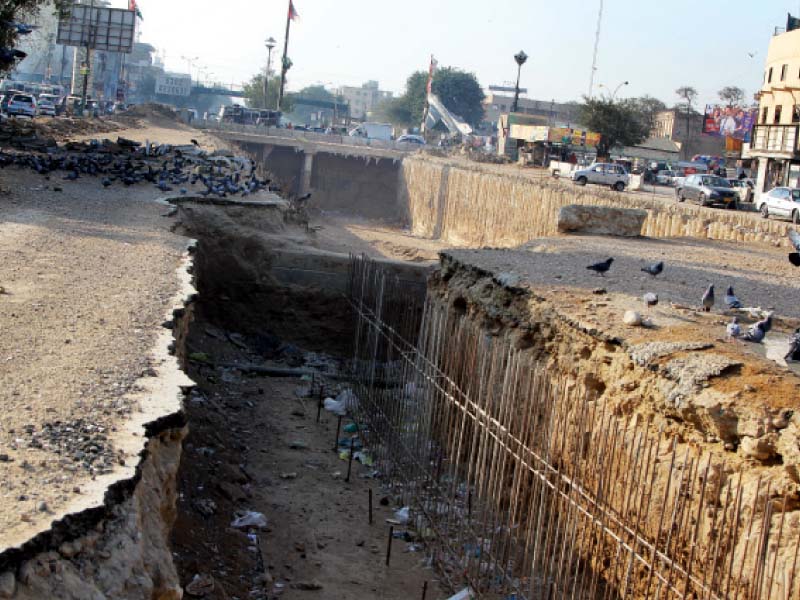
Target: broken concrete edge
[272, 201]
[601, 220]
[161, 399]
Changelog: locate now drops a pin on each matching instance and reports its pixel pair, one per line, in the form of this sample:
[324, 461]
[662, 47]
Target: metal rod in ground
[319, 401]
[338, 429]
[370, 506]
[424, 590]
[350, 459]
[389, 544]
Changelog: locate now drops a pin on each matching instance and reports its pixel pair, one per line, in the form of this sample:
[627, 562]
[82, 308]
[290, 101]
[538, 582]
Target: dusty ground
[88, 276]
[255, 445]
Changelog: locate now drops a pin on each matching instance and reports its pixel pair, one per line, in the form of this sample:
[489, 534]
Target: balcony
[779, 139]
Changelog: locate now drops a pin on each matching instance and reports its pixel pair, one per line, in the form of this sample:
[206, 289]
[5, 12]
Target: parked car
[781, 202]
[665, 177]
[47, 108]
[613, 176]
[707, 190]
[412, 139]
[22, 105]
[743, 188]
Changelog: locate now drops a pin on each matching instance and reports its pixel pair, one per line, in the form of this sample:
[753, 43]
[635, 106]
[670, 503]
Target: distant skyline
[347, 42]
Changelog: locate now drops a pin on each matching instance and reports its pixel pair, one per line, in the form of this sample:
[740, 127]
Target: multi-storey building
[364, 99]
[775, 142]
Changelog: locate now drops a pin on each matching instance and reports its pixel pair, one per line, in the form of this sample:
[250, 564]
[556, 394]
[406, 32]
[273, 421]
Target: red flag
[292, 12]
[131, 4]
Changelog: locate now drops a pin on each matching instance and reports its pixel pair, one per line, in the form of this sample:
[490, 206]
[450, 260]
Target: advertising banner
[573, 137]
[724, 121]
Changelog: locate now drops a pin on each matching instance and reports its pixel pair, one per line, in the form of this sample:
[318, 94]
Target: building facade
[548, 112]
[364, 99]
[686, 131]
[775, 137]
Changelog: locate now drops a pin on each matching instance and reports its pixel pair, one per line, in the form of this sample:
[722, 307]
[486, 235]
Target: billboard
[573, 137]
[171, 84]
[725, 121]
[106, 29]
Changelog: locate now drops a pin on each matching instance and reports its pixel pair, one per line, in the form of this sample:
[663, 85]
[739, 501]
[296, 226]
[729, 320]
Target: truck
[373, 131]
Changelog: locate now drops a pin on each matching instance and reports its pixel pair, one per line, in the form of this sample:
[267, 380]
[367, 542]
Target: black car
[708, 190]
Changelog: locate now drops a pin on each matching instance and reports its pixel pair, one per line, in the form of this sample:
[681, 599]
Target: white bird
[734, 329]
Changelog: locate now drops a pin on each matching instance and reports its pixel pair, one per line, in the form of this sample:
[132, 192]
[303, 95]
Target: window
[777, 118]
[796, 114]
[769, 75]
[764, 114]
[783, 72]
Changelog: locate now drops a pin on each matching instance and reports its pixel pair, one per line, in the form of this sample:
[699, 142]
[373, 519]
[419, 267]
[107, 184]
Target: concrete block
[602, 220]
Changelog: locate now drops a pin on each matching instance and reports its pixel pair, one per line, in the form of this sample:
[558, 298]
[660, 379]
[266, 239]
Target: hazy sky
[657, 46]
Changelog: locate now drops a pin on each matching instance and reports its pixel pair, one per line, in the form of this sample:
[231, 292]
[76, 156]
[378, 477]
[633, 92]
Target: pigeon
[184, 191]
[106, 182]
[708, 299]
[767, 321]
[794, 257]
[194, 142]
[731, 300]
[304, 197]
[650, 299]
[733, 329]
[22, 28]
[601, 267]
[794, 348]
[71, 176]
[654, 270]
[756, 333]
[163, 186]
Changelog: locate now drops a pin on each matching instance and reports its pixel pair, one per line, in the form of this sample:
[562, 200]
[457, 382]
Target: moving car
[665, 177]
[373, 131]
[707, 190]
[743, 189]
[613, 176]
[47, 108]
[412, 139]
[781, 202]
[22, 105]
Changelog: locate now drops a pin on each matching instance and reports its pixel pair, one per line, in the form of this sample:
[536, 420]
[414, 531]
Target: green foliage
[459, 91]
[688, 96]
[301, 113]
[254, 93]
[19, 11]
[648, 107]
[619, 123]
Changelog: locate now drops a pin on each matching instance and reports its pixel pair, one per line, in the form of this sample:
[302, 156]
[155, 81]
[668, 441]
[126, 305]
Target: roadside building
[775, 137]
[687, 132]
[364, 99]
[497, 103]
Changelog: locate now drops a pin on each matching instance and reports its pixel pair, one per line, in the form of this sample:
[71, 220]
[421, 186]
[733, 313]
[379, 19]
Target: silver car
[614, 176]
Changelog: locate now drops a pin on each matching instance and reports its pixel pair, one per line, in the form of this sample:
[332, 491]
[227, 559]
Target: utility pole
[270, 44]
[87, 69]
[596, 46]
[285, 64]
[520, 58]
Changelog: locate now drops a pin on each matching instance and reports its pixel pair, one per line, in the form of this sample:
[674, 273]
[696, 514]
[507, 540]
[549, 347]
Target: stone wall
[469, 205]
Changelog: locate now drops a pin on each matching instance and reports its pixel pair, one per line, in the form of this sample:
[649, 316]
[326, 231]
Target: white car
[22, 104]
[412, 139]
[781, 202]
[614, 176]
[743, 189]
[47, 108]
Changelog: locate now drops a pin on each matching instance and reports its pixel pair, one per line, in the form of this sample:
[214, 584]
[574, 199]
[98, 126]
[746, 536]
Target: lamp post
[270, 44]
[521, 58]
[190, 60]
[616, 89]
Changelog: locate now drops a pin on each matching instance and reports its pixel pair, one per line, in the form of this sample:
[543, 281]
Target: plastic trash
[351, 428]
[334, 406]
[464, 594]
[249, 519]
[402, 515]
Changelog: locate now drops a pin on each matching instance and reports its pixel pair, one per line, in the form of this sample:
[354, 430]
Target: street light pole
[270, 44]
[521, 57]
[616, 89]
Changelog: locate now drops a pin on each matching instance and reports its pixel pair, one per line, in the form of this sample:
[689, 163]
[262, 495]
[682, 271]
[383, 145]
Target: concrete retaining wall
[472, 206]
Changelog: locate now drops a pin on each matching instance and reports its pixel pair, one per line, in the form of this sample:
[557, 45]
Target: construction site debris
[250, 519]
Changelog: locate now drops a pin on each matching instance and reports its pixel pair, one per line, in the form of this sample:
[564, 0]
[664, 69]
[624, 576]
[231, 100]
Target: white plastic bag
[250, 519]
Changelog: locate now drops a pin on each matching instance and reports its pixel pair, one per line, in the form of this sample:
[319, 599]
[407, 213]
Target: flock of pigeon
[755, 333]
[164, 166]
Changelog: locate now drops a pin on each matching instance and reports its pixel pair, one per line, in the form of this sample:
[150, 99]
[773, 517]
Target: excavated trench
[548, 443]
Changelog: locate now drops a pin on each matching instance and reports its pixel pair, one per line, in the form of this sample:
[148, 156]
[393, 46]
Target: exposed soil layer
[255, 445]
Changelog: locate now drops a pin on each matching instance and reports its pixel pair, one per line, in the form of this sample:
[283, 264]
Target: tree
[618, 123]
[458, 90]
[13, 13]
[302, 113]
[731, 95]
[649, 107]
[254, 93]
[689, 95]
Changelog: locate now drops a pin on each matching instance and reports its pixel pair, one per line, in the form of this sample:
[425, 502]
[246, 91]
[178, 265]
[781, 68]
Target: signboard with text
[573, 137]
[174, 85]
